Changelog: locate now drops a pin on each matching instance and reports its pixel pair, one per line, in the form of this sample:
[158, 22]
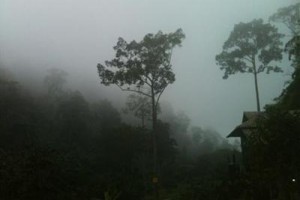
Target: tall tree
[143, 67]
[251, 48]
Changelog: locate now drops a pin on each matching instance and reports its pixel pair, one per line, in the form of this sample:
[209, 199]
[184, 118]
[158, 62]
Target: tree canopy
[288, 16]
[247, 43]
[142, 66]
[251, 48]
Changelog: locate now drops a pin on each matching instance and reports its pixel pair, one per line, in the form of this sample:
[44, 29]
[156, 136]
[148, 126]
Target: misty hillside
[140, 100]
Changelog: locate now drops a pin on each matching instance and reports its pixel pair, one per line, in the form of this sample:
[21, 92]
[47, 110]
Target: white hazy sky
[75, 35]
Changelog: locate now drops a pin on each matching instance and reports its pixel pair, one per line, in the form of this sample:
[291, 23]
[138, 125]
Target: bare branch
[131, 90]
[148, 77]
[147, 83]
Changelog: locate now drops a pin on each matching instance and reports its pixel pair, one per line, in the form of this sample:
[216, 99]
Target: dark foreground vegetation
[58, 145]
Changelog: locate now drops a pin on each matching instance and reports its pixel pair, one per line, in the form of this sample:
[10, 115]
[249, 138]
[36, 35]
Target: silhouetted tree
[145, 68]
[251, 48]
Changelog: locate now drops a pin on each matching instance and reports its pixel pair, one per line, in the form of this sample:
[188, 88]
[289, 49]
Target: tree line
[58, 145]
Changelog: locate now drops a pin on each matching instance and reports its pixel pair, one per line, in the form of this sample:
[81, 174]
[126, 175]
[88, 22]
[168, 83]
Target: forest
[58, 144]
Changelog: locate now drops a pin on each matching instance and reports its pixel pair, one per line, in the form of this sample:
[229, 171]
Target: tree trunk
[143, 120]
[256, 84]
[154, 140]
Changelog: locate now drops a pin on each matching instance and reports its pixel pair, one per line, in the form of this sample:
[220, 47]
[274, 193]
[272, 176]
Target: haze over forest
[76, 35]
[133, 100]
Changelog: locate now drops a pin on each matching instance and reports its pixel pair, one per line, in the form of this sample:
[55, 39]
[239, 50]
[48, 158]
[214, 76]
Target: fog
[76, 35]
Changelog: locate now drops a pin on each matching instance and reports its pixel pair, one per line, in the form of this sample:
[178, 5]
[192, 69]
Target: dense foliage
[251, 48]
[58, 145]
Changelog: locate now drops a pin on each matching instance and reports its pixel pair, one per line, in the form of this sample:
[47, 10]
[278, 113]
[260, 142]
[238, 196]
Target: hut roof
[248, 123]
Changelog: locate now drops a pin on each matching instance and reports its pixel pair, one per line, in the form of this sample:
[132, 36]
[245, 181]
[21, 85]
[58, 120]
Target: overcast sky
[75, 35]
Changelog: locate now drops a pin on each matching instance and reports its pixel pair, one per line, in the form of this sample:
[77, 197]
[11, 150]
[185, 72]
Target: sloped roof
[248, 122]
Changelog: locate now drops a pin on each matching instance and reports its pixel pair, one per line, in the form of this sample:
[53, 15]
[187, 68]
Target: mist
[196, 112]
[75, 36]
